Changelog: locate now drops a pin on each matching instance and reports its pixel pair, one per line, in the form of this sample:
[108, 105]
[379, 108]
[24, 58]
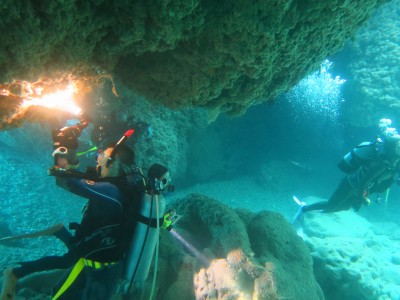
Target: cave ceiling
[222, 55]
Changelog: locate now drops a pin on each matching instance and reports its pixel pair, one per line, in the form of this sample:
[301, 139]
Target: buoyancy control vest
[360, 155]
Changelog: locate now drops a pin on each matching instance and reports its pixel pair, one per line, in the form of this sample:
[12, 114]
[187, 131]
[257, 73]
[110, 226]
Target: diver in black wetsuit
[371, 168]
[100, 240]
[110, 126]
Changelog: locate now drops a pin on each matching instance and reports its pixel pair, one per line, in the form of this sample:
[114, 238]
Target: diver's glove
[67, 137]
[65, 159]
[65, 142]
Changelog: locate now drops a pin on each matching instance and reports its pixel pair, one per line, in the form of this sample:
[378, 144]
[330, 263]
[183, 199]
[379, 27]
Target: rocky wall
[372, 61]
[225, 56]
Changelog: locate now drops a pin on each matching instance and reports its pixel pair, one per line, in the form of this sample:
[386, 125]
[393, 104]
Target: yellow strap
[88, 262]
[97, 265]
[77, 269]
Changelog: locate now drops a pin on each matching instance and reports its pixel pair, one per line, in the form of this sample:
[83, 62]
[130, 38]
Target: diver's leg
[63, 235]
[101, 284]
[57, 230]
[9, 284]
[44, 264]
[11, 275]
[75, 290]
[342, 198]
[321, 205]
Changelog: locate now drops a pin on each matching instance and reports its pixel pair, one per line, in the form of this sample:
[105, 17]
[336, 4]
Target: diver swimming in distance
[371, 168]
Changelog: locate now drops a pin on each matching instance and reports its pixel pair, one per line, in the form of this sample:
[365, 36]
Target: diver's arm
[62, 182]
[101, 191]
[62, 168]
[82, 184]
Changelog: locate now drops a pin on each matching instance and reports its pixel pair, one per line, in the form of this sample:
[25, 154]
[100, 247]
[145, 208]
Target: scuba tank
[361, 154]
[143, 242]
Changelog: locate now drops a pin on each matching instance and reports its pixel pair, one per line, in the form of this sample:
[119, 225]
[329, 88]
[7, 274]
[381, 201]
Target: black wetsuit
[376, 176]
[100, 237]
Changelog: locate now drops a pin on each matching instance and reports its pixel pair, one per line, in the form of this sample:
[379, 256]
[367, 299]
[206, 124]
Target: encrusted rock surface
[222, 55]
[353, 258]
[372, 60]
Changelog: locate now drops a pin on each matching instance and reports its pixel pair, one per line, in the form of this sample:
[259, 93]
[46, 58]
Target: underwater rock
[275, 242]
[37, 286]
[249, 255]
[235, 277]
[221, 55]
[183, 285]
[171, 131]
[213, 224]
[350, 260]
[371, 60]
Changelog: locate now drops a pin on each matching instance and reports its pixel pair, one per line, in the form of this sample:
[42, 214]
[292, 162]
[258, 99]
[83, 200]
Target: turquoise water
[258, 162]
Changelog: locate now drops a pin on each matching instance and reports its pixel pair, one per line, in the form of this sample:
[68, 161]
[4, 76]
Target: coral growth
[222, 55]
[374, 59]
[235, 277]
[253, 256]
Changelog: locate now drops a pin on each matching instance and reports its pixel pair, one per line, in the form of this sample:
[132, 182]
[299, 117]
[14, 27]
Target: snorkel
[122, 140]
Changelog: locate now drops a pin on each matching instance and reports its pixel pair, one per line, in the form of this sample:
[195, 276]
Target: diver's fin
[298, 219]
[299, 213]
[45, 232]
[299, 229]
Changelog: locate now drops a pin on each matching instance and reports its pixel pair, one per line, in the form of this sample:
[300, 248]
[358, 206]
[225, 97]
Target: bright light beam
[60, 100]
[190, 247]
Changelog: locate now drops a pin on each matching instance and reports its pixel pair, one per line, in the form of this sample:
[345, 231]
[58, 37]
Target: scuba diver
[103, 240]
[98, 240]
[371, 168]
[109, 126]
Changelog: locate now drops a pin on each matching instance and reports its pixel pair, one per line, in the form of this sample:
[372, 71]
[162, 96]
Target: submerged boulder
[238, 254]
[354, 258]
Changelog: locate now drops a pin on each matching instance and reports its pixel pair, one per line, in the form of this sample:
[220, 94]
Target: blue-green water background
[306, 141]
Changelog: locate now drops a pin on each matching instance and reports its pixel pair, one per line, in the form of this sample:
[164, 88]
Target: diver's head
[115, 161]
[158, 177]
[384, 123]
[392, 145]
[391, 138]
